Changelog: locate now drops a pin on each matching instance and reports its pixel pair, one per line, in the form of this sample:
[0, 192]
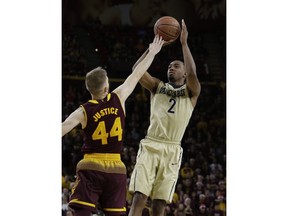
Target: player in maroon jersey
[101, 175]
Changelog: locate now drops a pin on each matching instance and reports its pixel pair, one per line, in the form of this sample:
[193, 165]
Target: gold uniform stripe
[108, 163]
[104, 156]
[108, 97]
[82, 203]
[115, 209]
[85, 114]
[94, 101]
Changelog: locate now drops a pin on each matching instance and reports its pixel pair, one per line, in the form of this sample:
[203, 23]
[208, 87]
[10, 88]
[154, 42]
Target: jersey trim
[96, 102]
[85, 115]
[123, 108]
[115, 209]
[104, 156]
[82, 203]
[108, 97]
[93, 101]
[163, 141]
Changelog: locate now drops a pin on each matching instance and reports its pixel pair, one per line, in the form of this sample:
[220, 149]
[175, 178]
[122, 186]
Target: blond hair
[95, 80]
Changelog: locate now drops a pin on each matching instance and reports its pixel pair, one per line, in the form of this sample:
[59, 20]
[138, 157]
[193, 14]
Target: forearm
[190, 68]
[140, 59]
[65, 128]
[189, 62]
[130, 83]
[73, 120]
[142, 66]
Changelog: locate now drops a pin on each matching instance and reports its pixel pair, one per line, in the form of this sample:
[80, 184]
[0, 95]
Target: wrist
[151, 53]
[184, 44]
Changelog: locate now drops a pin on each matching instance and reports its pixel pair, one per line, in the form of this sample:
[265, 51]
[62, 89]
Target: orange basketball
[167, 27]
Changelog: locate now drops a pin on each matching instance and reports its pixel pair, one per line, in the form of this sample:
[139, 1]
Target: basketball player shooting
[159, 156]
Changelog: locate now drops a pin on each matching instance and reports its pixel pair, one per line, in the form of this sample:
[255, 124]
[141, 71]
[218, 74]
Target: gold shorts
[157, 168]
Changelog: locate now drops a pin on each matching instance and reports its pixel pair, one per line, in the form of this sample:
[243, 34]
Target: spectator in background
[188, 206]
[179, 211]
[129, 14]
[202, 210]
[168, 211]
[213, 9]
[221, 204]
[69, 212]
[186, 171]
[65, 199]
[187, 185]
[66, 183]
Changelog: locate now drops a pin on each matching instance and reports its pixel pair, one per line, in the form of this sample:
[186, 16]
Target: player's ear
[106, 89]
[184, 75]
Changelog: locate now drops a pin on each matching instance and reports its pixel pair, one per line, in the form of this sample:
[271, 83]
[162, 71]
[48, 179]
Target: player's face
[176, 71]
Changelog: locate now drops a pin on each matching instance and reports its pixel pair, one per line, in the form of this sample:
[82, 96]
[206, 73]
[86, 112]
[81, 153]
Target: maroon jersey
[105, 125]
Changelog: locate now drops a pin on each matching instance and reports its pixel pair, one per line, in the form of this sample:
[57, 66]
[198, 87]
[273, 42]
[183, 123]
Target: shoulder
[160, 84]
[113, 96]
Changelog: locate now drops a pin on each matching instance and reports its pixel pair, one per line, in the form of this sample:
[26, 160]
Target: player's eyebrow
[176, 64]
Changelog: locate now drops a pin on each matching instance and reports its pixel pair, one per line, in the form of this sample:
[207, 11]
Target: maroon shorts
[101, 180]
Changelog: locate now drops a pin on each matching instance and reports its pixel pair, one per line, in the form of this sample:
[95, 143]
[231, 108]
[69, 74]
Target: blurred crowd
[201, 188]
[96, 40]
[126, 12]
[118, 48]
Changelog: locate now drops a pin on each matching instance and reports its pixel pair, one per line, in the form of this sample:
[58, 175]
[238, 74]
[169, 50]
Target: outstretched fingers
[184, 27]
[184, 32]
[156, 45]
[158, 39]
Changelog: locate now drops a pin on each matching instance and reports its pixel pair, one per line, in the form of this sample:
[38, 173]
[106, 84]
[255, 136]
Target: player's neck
[99, 96]
[176, 85]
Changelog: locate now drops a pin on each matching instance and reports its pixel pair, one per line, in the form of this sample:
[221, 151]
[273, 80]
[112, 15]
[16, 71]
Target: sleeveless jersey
[105, 125]
[171, 110]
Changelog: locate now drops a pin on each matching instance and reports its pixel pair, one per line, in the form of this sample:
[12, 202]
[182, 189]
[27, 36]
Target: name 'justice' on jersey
[171, 110]
[105, 125]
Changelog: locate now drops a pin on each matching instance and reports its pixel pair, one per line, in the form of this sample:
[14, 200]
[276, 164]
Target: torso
[105, 125]
[171, 110]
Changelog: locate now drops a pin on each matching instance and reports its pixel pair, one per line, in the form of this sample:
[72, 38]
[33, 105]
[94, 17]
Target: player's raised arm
[147, 81]
[73, 120]
[130, 83]
[190, 67]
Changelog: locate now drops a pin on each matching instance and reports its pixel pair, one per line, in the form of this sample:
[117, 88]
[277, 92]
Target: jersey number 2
[101, 133]
[173, 101]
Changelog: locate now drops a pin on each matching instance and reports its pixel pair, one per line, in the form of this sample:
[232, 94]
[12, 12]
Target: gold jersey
[171, 110]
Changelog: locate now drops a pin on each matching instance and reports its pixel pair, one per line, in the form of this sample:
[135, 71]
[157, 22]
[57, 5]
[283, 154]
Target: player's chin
[171, 78]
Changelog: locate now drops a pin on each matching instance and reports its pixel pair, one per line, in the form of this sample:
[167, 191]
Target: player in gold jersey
[159, 156]
[101, 175]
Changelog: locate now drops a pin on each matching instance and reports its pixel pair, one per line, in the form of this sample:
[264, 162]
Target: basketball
[167, 27]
